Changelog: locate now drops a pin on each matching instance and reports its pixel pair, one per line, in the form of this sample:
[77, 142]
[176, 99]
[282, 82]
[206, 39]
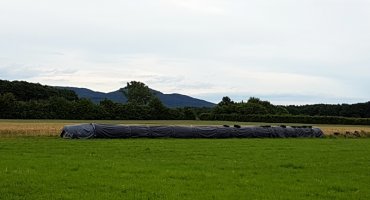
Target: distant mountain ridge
[170, 100]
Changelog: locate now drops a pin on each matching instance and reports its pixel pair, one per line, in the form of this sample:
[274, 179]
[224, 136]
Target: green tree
[109, 109]
[226, 101]
[270, 108]
[7, 105]
[157, 110]
[251, 108]
[189, 113]
[59, 108]
[137, 93]
[86, 109]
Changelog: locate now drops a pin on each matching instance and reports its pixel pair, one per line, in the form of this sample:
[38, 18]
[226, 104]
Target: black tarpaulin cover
[86, 131]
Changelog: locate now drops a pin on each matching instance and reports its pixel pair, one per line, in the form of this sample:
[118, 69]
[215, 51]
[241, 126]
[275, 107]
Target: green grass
[53, 168]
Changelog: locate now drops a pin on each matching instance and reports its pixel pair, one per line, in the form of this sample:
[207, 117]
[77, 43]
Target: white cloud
[212, 7]
[203, 48]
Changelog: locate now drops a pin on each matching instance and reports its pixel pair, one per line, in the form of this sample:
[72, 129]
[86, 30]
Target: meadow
[36, 164]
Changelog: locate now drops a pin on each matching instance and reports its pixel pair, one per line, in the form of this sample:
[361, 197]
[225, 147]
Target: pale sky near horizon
[284, 51]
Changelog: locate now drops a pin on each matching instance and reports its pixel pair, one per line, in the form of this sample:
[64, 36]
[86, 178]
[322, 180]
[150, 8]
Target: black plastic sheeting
[86, 131]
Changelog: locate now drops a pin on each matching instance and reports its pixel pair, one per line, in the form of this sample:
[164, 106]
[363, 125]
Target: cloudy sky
[284, 51]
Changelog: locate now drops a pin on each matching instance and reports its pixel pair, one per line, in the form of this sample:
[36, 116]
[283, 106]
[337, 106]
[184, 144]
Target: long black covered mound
[86, 131]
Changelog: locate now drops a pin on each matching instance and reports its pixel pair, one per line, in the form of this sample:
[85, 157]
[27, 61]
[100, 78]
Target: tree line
[23, 100]
[256, 110]
[255, 106]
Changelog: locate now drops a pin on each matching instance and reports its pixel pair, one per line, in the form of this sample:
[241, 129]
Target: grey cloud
[18, 71]
[191, 46]
[57, 53]
[22, 71]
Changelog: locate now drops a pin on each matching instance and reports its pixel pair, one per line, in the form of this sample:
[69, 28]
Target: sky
[283, 51]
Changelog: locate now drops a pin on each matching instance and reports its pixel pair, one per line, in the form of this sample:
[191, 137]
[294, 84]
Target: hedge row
[286, 119]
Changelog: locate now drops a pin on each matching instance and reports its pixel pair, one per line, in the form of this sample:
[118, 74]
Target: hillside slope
[170, 100]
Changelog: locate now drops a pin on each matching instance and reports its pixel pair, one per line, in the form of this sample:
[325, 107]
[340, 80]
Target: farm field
[15, 128]
[36, 164]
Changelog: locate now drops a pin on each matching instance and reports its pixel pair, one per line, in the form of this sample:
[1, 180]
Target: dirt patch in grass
[346, 131]
[29, 129]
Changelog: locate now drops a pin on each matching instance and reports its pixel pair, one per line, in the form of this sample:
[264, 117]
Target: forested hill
[25, 91]
[169, 100]
[23, 100]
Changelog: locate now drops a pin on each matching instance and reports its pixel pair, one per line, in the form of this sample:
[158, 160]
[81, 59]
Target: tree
[270, 108]
[86, 109]
[189, 114]
[109, 109]
[157, 110]
[226, 101]
[251, 108]
[137, 93]
[59, 108]
[7, 105]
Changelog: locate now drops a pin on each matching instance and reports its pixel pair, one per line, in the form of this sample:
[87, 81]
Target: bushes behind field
[286, 119]
[61, 108]
[256, 110]
[23, 100]
[252, 111]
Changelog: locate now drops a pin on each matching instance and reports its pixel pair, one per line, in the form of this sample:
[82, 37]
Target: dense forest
[23, 100]
[256, 106]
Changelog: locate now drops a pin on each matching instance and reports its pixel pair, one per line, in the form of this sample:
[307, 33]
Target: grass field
[35, 164]
[53, 168]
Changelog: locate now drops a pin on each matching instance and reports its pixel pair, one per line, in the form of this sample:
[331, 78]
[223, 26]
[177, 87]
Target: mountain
[96, 97]
[169, 100]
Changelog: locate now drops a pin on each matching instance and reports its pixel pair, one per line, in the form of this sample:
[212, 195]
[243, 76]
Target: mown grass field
[35, 164]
